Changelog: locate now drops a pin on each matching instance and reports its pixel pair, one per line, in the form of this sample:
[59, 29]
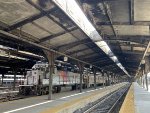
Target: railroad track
[11, 95]
[106, 104]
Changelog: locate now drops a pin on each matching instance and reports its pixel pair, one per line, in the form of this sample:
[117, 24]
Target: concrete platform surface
[142, 99]
[40, 104]
[16, 104]
[137, 100]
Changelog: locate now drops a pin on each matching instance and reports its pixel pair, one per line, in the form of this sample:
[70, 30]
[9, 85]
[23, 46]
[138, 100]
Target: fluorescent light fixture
[115, 59]
[119, 64]
[4, 52]
[73, 10]
[29, 53]
[16, 57]
[103, 45]
[12, 56]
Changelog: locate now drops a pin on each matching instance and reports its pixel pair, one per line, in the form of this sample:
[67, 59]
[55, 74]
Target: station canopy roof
[122, 24]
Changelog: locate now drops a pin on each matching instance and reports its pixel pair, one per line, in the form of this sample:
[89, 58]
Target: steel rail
[92, 108]
[111, 109]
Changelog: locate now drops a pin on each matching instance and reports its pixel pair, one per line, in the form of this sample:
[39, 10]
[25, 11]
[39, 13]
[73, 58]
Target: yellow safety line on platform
[128, 104]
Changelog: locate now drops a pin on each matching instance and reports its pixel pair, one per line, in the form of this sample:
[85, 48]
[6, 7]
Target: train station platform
[66, 103]
[137, 100]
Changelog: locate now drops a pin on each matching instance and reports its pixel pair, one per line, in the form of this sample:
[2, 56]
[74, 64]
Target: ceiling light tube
[73, 10]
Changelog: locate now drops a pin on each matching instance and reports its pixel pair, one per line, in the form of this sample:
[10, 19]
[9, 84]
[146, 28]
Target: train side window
[4, 82]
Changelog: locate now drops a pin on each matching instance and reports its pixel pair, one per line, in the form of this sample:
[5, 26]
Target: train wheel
[73, 87]
[54, 89]
[38, 92]
[46, 90]
[58, 89]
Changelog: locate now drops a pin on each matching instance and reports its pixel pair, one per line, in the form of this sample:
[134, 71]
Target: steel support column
[81, 68]
[143, 74]
[103, 78]
[108, 81]
[115, 78]
[141, 80]
[112, 78]
[51, 59]
[147, 69]
[2, 79]
[94, 72]
[15, 73]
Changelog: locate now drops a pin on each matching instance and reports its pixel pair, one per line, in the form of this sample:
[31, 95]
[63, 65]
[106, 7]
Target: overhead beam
[93, 1]
[135, 38]
[100, 61]
[110, 67]
[114, 23]
[108, 14]
[106, 64]
[146, 23]
[73, 44]
[97, 58]
[121, 40]
[56, 35]
[3, 25]
[82, 57]
[43, 11]
[16, 63]
[123, 43]
[76, 51]
[50, 17]
[10, 36]
[22, 54]
[105, 49]
[131, 66]
[129, 61]
[129, 52]
[30, 19]
[107, 11]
